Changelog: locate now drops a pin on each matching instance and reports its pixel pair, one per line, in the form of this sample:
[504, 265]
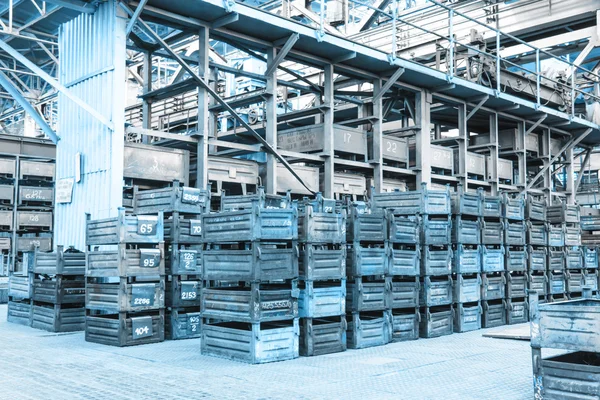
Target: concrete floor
[40, 365]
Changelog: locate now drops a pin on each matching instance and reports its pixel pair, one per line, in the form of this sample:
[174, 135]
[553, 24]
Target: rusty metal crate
[516, 259]
[573, 258]
[467, 259]
[20, 287]
[467, 317]
[6, 220]
[366, 260]
[590, 257]
[515, 233]
[124, 295]
[403, 229]
[7, 195]
[516, 285]
[513, 208]
[31, 243]
[466, 231]
[251, 261]
[179, 230]
[402, 293]
[322, 299]
[492, 232]
[177, 198]
[538, 282]
[366, 226]
[517, 311]
[574, 281]
[58, 318]
[424, 201]
[36, 196]
[320, 336]
[568, 376]
[556, 260]
[557, 283]
[254, 303]
[58, 290]
[183, 291]
[556, 236]
[36, 170]
[563, 213]
[369, 329]
[537, 258]
[535, 210]
[34, 221]
[184, 260]
[247, 342]
[59, 262]
[125, 329]
[466, 203]
[322, 227]
[19, 312]
[125, 229]
[436, 291]
[405, 325]
[492, 206]
[404, 260]
[366, 295]
[493, 286]
[250, 225]
[322, 261]
[494, 314]
[492, 259]
[467, 288]
[8, 168]
[436, 322]
[259, 199]
[122, 262]
[572, 236]
[436, 261]
[590, 279]
[436, 230]
[184, 323]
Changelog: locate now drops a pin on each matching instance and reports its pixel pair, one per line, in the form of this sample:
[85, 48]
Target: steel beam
[388, 84]
[215, 95]
[478, 106]
[281, 54]
[136, 14]
[29, 109]
[271, 114]
[329, 145]
[75, 5]
[203, 110]
[423, 138]
[536, 124]
[224, 20]
[54, 83]
[372, 15]
[377, 157]
[586, 159]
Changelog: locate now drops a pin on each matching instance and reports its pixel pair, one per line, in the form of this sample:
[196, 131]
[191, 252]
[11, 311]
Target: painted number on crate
[273, 305]
[142, 295]
[34, 218]
[189, 290]
[193, 324]
[195, 227]
[149, 258]
[191, 196]
[141, 327]
[391, 147]
[146, 228]
[34, 194]
[188, 260]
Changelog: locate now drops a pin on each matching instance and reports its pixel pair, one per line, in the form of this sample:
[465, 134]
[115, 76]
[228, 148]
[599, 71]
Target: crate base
[19, 312]
[56, 318]
[183, 323]
[117, 329]
[569, 376]
[405, 325]
[320, 336]
[368, 329]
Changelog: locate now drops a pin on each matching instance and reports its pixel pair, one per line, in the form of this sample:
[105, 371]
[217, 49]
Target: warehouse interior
[366, 198]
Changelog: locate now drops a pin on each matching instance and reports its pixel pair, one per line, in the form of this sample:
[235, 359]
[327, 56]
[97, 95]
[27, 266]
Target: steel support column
[377, 158]
[423, 138]
[521, 154]
[493, 164]
[546, 156]
[570, 183]
[203, 113]
[328, 179]
[463, 141]
[271, 116]
[147, 103]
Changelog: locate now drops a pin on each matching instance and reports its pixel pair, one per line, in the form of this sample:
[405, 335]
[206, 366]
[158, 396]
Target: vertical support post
[570, 178]
[521, 154]
[498, 61]
[423, 138]
[451, 38]
[329, 170]
[463, 134]
[573, 90]
[377, 156]
[271, 123]
[493, 164]
[147, 103]
[203, 112]
[538, 75]
[547, 156]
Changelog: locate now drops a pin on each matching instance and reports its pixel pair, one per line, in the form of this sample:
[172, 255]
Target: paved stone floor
[40, 365]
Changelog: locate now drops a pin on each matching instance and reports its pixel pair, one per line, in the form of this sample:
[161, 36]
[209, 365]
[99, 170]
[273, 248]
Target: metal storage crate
[182, 231]
[492, 232]
[573, 258]
[405, 325]
[368, 329]
[494, 314]
[6, 220]
[467, 203]
[467, 317]
[346, 184]
[537, 258]
[183, 324]
[8, 168]
[403, 229]
[574, 281]
[20, 287]
[250, 262]
[370, 227]
[435, 292]
[556, 236]
[467, 289]
[259, 199]
[323, 227]
[286, 182]
[515, 233]
[569, 376]
[184, 261]
[590, 223]
[537, 235]
[308, 139]
[36, 170]
[34, 196]
[362, 260]
[402, 293]
[233, 171]
[538, 282]
[557, 283]
[590, 257]
[124, 296]
[322, 261]
[431, 202]
[535, 210]
[517, 311]
[492, 259]
[516, 286]
[182, 291]
[176, 198]
[436, 322]
[322, 299]
[572, 236]
[60, 262]
[364, 296]
[466, 260]
[7, 194]
[19, 312]
[392, 149]
[493, 287]
[466, 231]
[250, 225]
[556, 260]
[26, 243]
[436, 261]
[492, 206]
[34, 220]
[125, 229]
[560, 213]
[436, 231]
[124, 262]
[442, 158]
[126, 329]
[590, 280]
[58, 290]
[404, 260]
[54, 318]
[516, 260]
[513, 207]
[257, 303]
[320, 336]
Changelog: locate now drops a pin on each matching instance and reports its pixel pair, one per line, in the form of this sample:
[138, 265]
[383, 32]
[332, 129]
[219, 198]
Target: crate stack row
[322, 272]
[125, 280]
[537, 246]
[182, 208]
[368, 290]
[432, 210]
[590, 238]
[249, 301]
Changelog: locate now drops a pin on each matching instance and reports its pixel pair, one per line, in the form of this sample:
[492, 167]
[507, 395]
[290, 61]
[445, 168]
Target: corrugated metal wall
[92, 66]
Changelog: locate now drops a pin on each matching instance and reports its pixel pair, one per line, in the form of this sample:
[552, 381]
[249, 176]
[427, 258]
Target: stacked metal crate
[515, 238]
[58, 290]
[467, 211]
[125, 280]
[537, 242]
[564, 219]
[322, 271]
[250, 268]
[182, 207]
[590, 240]
[367, 292]
[433, 209]
[493, 279]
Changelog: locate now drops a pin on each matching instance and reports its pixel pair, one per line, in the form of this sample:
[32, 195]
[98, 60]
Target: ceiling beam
[75, 5]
